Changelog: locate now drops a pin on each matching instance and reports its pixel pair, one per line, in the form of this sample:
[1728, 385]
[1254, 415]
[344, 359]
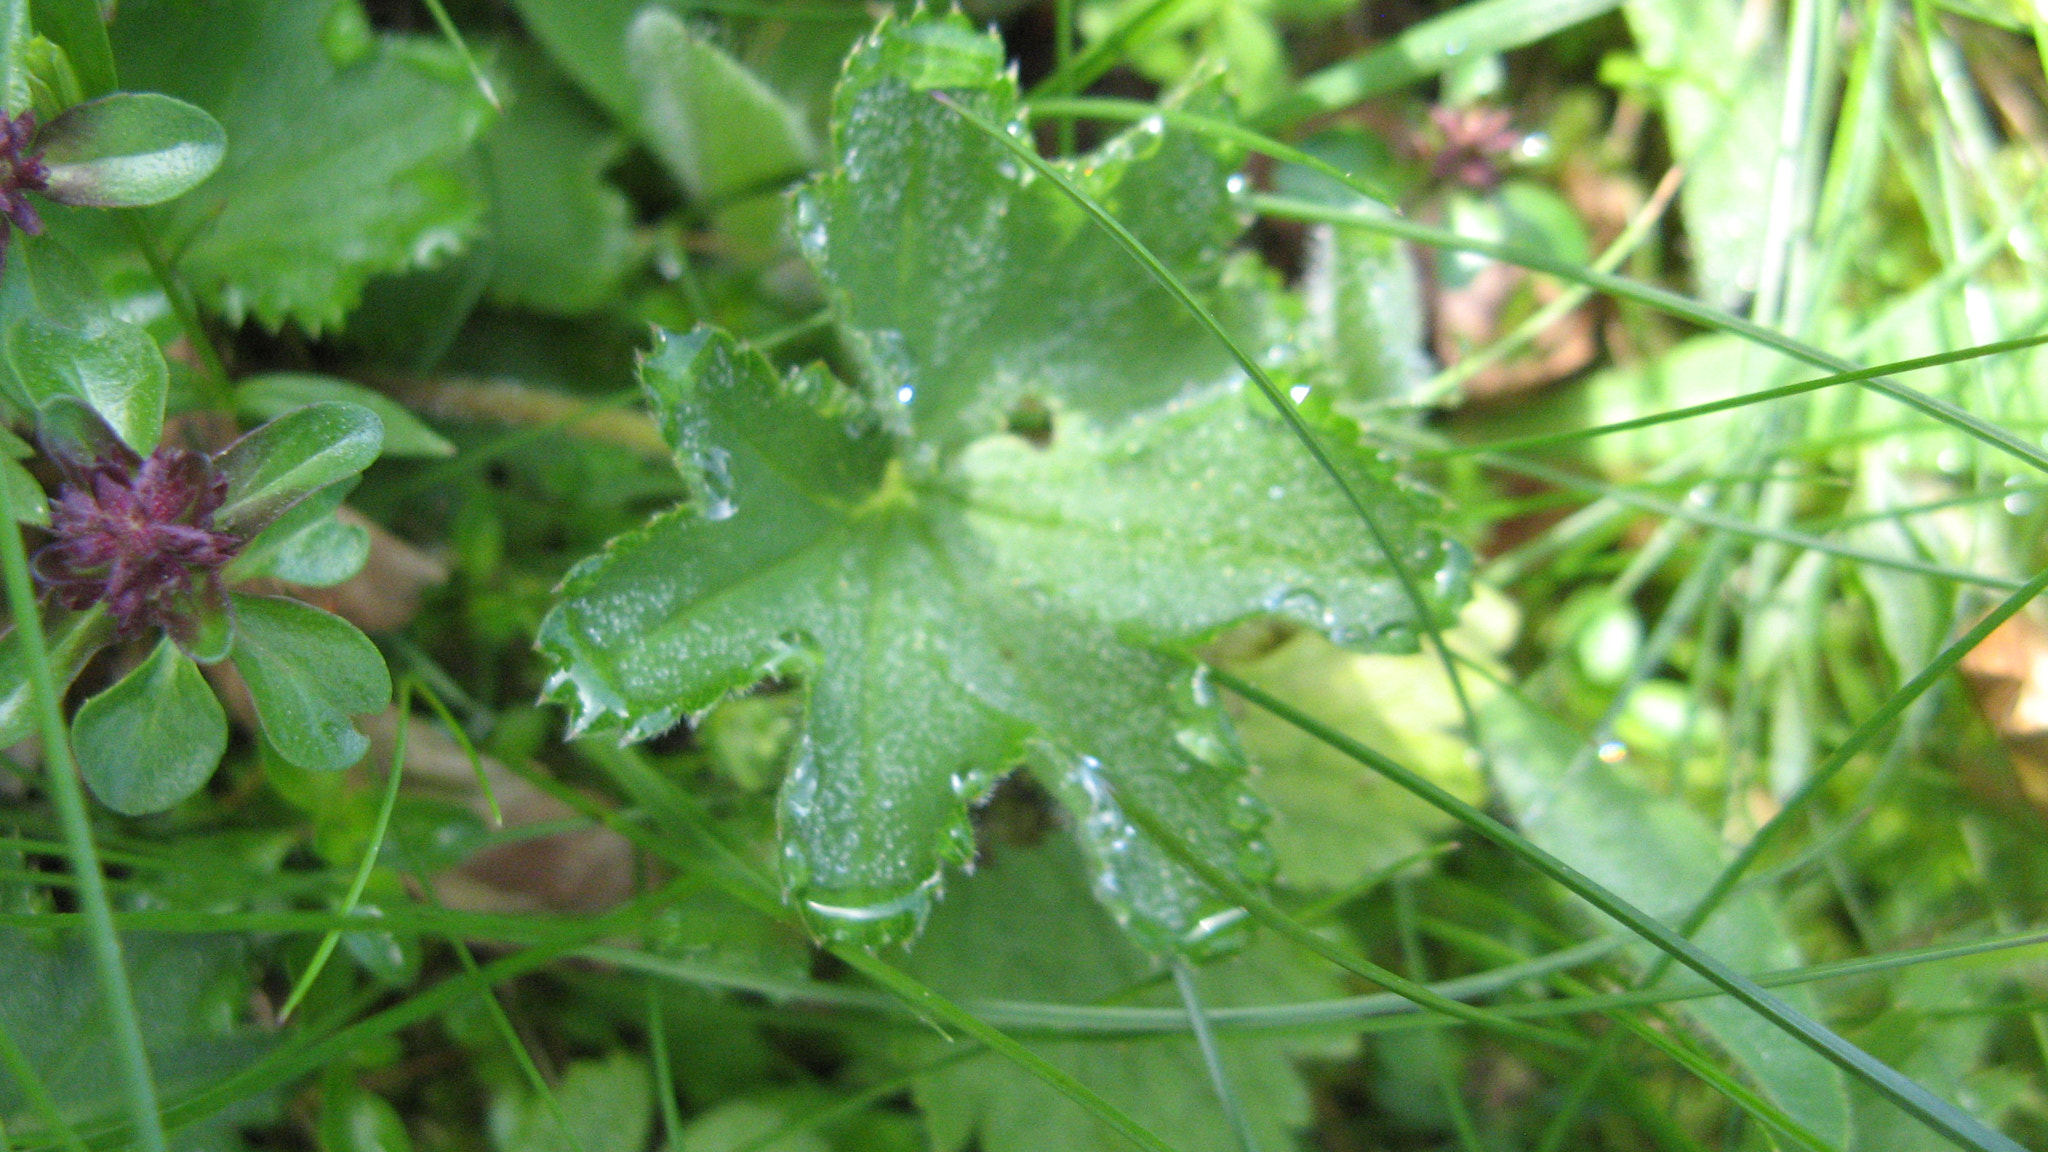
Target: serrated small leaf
[273, 394]
[129, 150]
[337, 172]
[71, 639]
[717, 127]
[308, 672]
[282, 462]
[153, 738]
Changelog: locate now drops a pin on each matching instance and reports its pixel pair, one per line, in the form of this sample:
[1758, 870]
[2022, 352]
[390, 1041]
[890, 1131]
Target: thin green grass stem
[1669, 302]
[24, 1075]
[509, 1036]
[1282, 403]
[1741, 527]
[1372, 1012]
[664, 1071]
[1078, 72]
[453, 35]
[1418, 969]
[1694, 411]
[462, 741]
[213, 376]
[1943, 1117]
[1447, 382]
[61, 775]
[1212, 1056]
[361, 880]
[1293, 930]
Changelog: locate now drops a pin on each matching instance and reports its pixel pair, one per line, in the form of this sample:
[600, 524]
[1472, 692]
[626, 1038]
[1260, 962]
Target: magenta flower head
[22, 170]
[134, 534]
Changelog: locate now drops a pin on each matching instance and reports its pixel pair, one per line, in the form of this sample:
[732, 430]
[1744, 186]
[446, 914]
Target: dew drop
[1298, 393]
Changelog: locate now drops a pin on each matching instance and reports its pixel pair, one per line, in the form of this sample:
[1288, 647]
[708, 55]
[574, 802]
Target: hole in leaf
[1031, 420]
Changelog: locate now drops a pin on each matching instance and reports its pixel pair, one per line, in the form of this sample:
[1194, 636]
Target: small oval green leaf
[282, 462]
[129, 150]
[153, 738]
[118, 370]
[308, 672]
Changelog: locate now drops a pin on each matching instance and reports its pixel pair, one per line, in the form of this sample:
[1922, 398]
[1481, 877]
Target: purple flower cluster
[21, 172]
[137, 535]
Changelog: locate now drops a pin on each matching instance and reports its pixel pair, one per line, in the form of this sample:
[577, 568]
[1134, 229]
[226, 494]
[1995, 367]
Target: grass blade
[1952, 1123]
[60, 774]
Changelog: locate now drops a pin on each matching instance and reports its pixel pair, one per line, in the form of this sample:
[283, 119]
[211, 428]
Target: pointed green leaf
[73, 639]
[153, 738]
[966, 285]
[129, 150]
[308, 671]
[720, 130]
[338, 170]
[273, 394]
[281, 463]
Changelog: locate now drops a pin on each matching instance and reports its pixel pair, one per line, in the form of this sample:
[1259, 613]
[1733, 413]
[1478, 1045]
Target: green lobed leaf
[561, 236]
[717, 127]
[153, 738]
[275, 466]
[973, 603]
[609, 1104]
[966, 285]
[129, 150]
[308, 671]
[343, 167]
[274, 394]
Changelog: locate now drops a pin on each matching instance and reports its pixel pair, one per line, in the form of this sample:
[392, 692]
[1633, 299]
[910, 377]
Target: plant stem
[68, 794]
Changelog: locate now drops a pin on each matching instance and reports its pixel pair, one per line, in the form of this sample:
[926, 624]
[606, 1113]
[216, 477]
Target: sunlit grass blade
[361, 880]
[1424, 50]
[60, 775]
[453, 35]
[1943, 1117]
[1274, 394]
[1077, 72]
[1737, 526]
[1694, 411]
[1668, 302]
